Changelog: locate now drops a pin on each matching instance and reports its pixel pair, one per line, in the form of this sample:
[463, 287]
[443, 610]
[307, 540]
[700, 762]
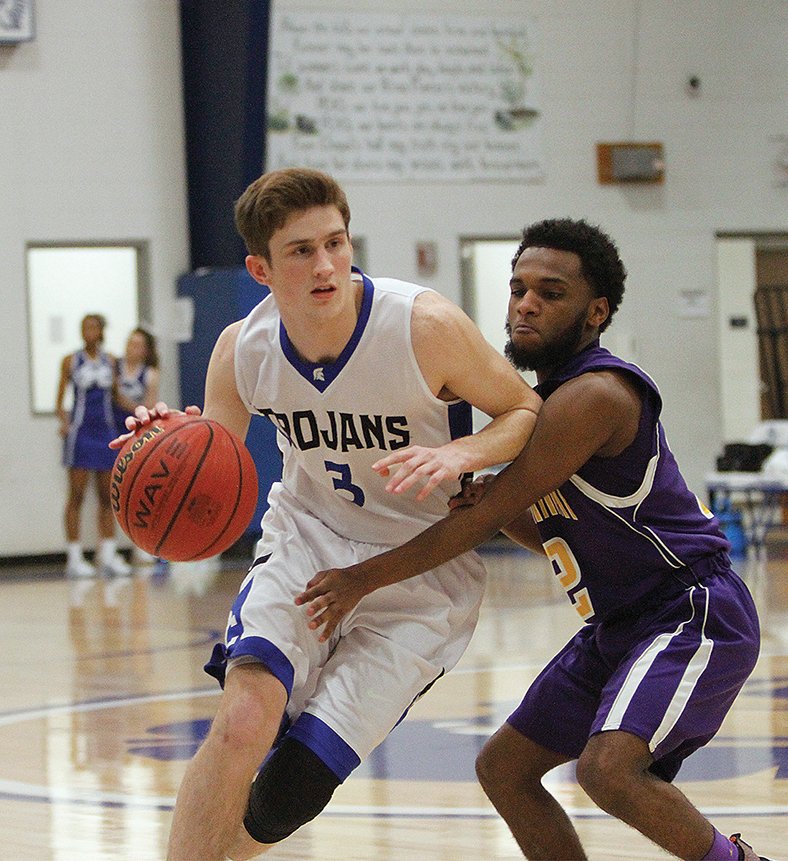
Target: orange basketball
[184, 488]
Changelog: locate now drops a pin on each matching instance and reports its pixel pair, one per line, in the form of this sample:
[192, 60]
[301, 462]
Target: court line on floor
[21, 791]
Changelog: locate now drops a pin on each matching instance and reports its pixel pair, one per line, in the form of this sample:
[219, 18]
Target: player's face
[309, 269]
[553, 312]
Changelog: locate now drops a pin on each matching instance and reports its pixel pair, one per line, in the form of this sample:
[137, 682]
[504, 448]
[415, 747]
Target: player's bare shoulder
[435, 317]
[441, 333]
[610, 394]
[224, 350]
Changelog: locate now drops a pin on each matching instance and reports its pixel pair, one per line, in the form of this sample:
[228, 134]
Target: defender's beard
[548, 355]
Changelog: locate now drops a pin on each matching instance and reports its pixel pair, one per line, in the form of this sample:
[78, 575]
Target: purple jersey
[625, 530]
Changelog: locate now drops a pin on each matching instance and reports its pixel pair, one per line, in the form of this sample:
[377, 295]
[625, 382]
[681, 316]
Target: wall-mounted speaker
[630, 162]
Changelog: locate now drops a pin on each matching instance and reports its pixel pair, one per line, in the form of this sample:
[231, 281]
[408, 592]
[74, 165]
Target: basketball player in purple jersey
[671, 631]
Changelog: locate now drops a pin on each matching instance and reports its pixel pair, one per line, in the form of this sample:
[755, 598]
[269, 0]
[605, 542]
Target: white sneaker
[117, 567]
[80, 568]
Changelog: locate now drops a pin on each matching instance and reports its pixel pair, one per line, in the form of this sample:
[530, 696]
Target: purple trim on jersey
[628, 526]
[667, 675]
[134, 388]
[92, 425]
[335, 752]
[321, 374]
[592, 358]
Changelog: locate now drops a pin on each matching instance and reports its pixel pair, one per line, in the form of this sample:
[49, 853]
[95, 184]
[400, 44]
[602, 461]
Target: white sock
[107, 551]
[74, 552]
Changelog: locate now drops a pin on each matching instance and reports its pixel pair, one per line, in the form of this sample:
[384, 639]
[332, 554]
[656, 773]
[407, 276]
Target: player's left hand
[419, 463]
[331, 595]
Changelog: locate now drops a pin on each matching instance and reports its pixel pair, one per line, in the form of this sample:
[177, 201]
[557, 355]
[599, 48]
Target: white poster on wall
[403, 97]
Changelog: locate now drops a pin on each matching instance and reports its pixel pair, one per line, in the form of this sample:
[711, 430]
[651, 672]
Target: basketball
[183, 488]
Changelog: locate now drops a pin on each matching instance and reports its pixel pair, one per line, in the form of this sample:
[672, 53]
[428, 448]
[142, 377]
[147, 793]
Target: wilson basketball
[184, 488]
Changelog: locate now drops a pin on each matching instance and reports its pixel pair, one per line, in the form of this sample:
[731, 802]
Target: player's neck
[322, 340]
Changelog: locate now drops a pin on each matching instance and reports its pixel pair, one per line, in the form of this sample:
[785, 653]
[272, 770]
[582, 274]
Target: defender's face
[552, 309]
[309, 269]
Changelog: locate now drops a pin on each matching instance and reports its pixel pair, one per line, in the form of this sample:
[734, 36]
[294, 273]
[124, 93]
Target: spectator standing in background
[86, 432]
[137, 384]
[137, 377]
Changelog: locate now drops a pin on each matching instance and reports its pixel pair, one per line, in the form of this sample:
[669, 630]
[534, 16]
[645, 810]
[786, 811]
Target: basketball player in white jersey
[357, 374]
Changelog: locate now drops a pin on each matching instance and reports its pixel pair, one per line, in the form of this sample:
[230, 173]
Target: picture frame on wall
[16, 21]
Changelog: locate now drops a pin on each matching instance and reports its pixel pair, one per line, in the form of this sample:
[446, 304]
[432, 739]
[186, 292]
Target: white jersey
[335, 420]
[331, 509]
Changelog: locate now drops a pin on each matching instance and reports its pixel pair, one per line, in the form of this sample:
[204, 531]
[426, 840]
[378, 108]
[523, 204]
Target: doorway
[753, 330]
[485, 271]
[67, 281]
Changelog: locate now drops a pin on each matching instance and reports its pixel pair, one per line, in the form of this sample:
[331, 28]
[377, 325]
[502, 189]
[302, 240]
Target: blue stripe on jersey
[460, 419]
[461, 424]
[256, 647]
[268, 654]
[322, 375]
[335, 752]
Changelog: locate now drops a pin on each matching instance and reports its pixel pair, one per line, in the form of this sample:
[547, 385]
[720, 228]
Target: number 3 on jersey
[344, 482]
[567, 570]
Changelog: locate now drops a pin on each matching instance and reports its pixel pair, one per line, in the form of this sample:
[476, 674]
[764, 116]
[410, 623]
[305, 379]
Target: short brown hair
[271, 199]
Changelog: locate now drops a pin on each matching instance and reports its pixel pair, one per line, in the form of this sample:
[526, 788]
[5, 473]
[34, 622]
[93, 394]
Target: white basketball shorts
[384, 654]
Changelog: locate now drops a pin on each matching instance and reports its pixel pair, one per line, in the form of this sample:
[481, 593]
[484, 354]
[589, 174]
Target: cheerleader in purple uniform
[87, 431]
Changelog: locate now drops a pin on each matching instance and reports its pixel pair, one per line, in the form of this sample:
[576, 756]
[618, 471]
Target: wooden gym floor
[104, 702]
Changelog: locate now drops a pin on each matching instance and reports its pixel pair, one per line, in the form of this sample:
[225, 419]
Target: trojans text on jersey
[340, 431]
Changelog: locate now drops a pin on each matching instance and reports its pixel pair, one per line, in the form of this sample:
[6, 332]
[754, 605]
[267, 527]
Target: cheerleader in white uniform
[137, 384]
[138, 376]
[87, 431]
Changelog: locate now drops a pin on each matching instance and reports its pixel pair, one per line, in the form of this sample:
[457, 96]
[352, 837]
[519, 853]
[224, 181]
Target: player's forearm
[60, 412]
[523, 530]
[498, 442]
[511, 494]
[458, 533]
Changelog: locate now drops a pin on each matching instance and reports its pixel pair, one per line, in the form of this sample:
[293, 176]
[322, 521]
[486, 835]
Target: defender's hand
[472, 492]
[331, 595]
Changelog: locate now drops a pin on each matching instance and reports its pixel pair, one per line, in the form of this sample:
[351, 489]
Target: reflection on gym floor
[105, 701]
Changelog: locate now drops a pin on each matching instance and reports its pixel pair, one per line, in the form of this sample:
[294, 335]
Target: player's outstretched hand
[144, 416]
[419, 463]
[472, 492]
[331, 595]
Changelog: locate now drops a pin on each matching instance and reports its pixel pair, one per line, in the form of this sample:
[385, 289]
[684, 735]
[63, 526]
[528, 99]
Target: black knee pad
[291, 789]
